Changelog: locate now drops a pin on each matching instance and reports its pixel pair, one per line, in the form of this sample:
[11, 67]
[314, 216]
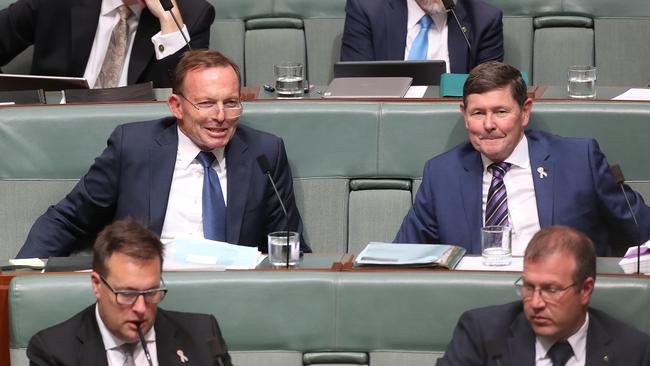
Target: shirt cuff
[170, 43]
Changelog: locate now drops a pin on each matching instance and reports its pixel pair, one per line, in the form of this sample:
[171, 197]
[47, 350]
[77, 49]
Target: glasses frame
[224, 109]
[147, 299]
[549, 294]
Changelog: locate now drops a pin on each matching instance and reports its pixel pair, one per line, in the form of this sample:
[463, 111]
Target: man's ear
[174, 103]
[96, 282]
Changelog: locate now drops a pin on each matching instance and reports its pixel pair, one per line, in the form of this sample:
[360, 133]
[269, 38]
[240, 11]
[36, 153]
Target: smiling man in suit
[553, 324]
[377, 30]
[109, 42]
[191, 174]
[127, 284]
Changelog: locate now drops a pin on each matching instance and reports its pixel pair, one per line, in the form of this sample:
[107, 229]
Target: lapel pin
[182, 357]
[542, 173]
[605, 359]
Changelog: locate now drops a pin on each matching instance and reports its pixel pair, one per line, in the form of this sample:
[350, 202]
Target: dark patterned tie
[496, 208]
[420, 45]
[560, 353]
[127, 349]
[109, 75]
[214, 208]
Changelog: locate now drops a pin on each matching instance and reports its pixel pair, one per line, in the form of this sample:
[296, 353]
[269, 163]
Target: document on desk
[410, 255]
[198, 254]
[634, 94]
[629, 262]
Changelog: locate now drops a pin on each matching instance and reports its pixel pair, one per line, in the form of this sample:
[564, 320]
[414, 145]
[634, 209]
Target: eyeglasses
[231, 109]
[129, 297]
[549, 294]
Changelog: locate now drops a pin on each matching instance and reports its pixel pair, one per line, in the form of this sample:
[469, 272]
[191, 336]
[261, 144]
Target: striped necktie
[420, 45]
[109, 75]
[496, 208]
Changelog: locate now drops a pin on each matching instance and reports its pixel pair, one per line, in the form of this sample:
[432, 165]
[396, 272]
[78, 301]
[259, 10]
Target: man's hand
[167, 24]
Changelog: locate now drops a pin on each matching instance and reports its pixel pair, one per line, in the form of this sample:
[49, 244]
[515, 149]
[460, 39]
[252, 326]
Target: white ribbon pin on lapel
[542, 173]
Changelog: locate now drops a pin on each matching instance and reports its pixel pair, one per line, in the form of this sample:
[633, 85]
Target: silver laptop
[388, 87]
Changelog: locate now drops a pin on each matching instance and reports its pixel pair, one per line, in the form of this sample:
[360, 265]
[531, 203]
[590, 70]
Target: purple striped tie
[496, 208]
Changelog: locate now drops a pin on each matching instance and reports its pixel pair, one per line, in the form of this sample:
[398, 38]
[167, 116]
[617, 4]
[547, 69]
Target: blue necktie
[214, 208]
[421, 43]
[496, 208]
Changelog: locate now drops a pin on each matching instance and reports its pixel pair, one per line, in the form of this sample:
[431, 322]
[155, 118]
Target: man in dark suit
[127, 284]
[71, 37]
[152, 171]
[378, 30]
[553, 323]
[550, 180]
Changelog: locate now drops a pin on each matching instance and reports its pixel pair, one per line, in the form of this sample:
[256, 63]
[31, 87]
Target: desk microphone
[217, 352]
[494, 349]
[617, 174]
[167, 6]
[450, 5]
[263, 162]
[144, 345]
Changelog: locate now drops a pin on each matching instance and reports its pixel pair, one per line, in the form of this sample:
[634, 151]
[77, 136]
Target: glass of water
[581, 81]
[288, 79]
[278, 248]
[496, 245]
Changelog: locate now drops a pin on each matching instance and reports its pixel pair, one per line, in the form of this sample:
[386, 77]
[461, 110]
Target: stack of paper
[199, 254]
[410, 255]
[629, 261]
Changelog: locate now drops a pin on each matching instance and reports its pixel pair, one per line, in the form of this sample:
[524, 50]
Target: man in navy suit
[151, 170]
[127, 284]
[553, 324]
[377, 30]
[71, 37]
[551, 180]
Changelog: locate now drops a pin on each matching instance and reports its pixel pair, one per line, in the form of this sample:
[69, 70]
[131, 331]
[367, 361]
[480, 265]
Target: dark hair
[197, 59]
[493, 75]
[128, 237]
[562, 239]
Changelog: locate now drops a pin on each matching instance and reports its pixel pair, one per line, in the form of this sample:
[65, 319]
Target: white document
[475, 263]
[198, 254]
[634, 94]
[629, 261]
[416, 91]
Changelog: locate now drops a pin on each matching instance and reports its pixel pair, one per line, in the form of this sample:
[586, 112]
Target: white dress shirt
[437, 49]
[184, 216]
[113, 345]
[522, 204]
[108, 18]
[578, 342]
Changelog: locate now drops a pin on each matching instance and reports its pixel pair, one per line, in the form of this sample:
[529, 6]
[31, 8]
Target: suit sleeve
[420, 224]
[613, 202]
[465, 348]
[284, 183]
[356, 43]
[37, 353]
[490, 42]
[83, 212]
[17, 23]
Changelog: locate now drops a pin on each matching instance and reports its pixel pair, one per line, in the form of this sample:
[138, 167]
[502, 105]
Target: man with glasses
[553, 324]
[193, 174]
[128, 286]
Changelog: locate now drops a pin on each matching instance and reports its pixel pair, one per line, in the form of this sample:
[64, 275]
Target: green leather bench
[356, 165]
[542, 37]
[316, 318]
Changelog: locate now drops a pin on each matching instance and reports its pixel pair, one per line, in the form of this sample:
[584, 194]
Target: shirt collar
[519, 156]
[113, 342]
[187, 151]
[109, 6]
[578, 342]
[415, 12]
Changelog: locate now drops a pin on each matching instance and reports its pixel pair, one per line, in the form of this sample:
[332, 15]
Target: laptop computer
[48, 83]
[381, 87]
[423, 72]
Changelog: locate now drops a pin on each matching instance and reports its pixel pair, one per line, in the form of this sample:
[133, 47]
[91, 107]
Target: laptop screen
[423, 72]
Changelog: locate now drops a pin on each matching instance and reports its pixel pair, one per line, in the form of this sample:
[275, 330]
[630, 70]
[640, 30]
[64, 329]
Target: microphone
[215, 347]
[494, 349]
[263, 162]
[144, 345]
[450, 5]
[617, 174]
[167, 6]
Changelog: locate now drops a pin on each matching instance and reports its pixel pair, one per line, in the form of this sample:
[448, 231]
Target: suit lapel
[167, 341]
[91, 346]
[238, 165]
[83, 24]
[458, 51]
[162, 160]
[521, 343]
[598, 339]
[541, 161]
[396, 18]
[470, 183]
[142, 50]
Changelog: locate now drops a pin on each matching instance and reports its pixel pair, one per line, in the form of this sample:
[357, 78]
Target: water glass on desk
[277, 242]
[581, 81]
[496, 245]
[289, 79]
